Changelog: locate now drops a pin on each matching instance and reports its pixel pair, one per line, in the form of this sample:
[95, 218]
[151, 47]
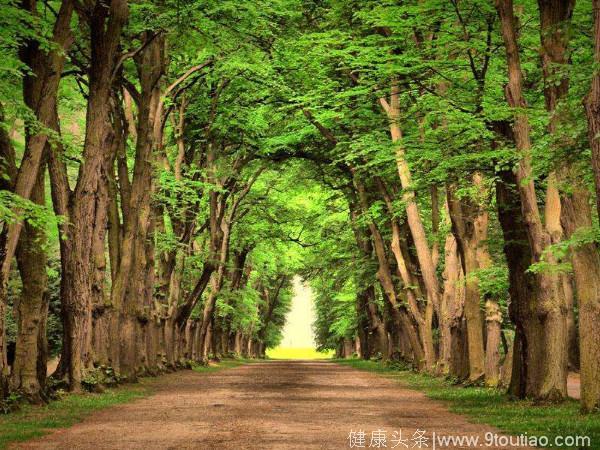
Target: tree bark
[586, 268]
[384, 274]
[453, 351]
[544, 332]
[31, 308]
[424, 253]
[411, 286]
[40, 90]
[469, 225]
[493, 321]
[128, 291]
[592, 106]
[376, 339]
[76, 291]
[40, 87]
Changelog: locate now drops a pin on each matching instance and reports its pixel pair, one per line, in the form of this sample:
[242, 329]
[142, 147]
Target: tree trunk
[128, 292]
[493, 321]
[31, 308]
[40, 90]
[586, 268]
[86, 200]
[424, 253]
[384, 275]
[592, 106]
[412, 291]
[453, 357]
[376, 338]
[544, 332]
[469, 225]
[363, 321]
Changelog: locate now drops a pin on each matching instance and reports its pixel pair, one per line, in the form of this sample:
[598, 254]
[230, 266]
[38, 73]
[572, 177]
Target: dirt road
[267, 405]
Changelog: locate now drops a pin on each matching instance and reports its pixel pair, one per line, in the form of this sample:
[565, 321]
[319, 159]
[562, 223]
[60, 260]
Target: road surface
[267, 405]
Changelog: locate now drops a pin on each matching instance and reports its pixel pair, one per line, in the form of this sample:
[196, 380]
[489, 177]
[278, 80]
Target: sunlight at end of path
[297, 332]
[298, 338]
[297, 353]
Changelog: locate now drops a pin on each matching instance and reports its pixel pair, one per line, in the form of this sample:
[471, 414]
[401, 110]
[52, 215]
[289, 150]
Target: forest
[430, 167]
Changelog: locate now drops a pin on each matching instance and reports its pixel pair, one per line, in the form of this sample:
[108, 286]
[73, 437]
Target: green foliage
[291, 92]
[100, 377]
[556, 256]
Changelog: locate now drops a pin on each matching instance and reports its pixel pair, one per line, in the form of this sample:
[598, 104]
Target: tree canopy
[430, 167]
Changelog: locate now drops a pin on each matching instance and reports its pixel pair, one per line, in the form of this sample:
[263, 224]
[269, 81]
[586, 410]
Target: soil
[574, 385]
[266, 405]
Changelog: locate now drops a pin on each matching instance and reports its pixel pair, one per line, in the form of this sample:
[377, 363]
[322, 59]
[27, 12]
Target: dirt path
[267, 405]
[574, 385]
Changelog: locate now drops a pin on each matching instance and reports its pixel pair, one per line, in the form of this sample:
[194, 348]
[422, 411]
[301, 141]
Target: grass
[223, 364]
[492, 407]
[297, 353]
[35, 421]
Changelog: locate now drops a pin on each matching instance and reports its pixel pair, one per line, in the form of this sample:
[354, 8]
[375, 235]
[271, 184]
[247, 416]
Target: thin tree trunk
[384, 275]
[423, 320]
[377, 341]
[424, 253]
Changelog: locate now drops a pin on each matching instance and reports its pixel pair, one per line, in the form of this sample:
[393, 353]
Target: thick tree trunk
[586, 268]
[238, 343]
[469, 225]
[588, 315]
[543, 320]
[524, 291]
[493, 321]
[77, 277]
[592, 106]
[128, 293]
[31, 308]
[40, 90]
[453, 351]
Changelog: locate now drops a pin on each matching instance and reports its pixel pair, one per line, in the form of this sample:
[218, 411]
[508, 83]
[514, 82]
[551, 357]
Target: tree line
[121, 122]
[431, 167]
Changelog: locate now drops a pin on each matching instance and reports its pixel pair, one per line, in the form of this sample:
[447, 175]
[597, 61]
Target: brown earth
[574, 385]
[266, 405]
